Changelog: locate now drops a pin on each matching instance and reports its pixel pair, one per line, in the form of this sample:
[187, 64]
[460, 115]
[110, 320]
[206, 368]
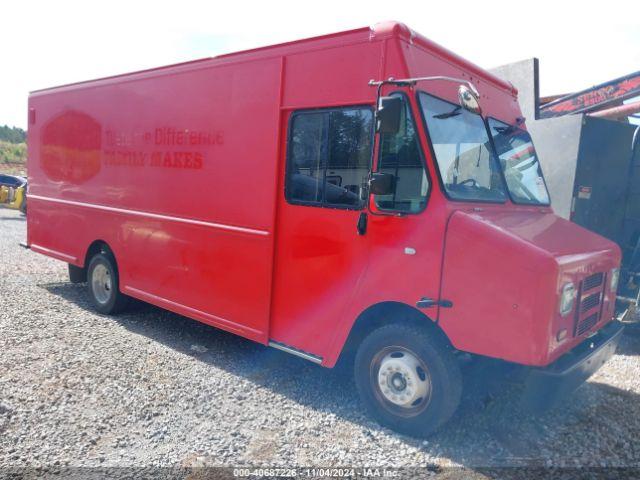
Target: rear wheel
[103, 284]
[408, 380]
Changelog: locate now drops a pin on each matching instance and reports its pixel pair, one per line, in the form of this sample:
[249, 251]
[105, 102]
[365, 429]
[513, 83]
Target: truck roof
[379, 31]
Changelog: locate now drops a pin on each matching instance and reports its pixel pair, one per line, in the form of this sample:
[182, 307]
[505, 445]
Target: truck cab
[458, 239]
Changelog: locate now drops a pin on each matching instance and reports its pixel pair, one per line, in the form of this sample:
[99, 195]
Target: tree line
[12, 134]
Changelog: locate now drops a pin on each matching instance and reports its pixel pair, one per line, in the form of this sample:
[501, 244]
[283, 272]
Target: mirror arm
[375, 119]
[403, 82]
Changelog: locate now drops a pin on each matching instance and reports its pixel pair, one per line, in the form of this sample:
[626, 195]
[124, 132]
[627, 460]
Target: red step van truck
[366, 196]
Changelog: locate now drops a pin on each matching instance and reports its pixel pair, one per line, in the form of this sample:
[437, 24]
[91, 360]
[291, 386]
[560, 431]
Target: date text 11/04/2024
[317, 472]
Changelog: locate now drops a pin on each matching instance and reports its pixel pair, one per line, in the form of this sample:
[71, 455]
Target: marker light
[567, 298]
[613, 282]
[561, 335]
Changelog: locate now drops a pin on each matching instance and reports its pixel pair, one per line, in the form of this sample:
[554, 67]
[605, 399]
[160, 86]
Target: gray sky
[46, 43]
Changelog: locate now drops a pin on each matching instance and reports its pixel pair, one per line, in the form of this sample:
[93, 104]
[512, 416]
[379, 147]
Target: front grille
[592, 281]
[590, 302]
[588, 309]
[586, 324]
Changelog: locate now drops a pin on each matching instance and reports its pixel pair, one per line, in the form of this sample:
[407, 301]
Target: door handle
[362, 223]
[426, 302]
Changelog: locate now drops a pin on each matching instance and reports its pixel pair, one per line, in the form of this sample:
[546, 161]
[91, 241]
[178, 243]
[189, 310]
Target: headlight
[613, 282]
[567, 298]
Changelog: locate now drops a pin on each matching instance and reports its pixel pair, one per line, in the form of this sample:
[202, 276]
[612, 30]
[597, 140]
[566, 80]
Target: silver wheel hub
[101, 283]
[402, 379]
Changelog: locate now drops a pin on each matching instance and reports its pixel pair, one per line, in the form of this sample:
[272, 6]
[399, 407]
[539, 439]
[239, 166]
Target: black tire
[77, 274]
[442, 379]
[106, 300]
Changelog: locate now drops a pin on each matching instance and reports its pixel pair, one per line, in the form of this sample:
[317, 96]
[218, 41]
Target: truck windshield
[463, 151]
[519, 163]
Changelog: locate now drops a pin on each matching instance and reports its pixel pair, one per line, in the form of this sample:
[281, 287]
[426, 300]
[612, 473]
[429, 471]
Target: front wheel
[103, 285]
[408, 380]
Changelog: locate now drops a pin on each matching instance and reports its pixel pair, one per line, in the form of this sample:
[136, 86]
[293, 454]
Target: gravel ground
[153, 388]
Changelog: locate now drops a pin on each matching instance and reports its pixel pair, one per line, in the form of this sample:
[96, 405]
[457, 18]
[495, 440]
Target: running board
[294, 351]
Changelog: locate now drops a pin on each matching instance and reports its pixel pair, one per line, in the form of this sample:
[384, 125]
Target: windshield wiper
[506, 130]
[456, 111]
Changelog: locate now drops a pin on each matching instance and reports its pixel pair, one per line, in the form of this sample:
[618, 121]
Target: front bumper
[544, 387]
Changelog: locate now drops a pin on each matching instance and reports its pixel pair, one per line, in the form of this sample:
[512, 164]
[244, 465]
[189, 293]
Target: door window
[401, 156]
[329, 153]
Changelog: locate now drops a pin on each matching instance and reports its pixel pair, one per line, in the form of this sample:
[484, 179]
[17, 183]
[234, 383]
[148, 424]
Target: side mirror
[382, 183]
[388, 114]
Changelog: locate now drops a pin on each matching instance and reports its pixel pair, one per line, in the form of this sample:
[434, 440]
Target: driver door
[320, 256]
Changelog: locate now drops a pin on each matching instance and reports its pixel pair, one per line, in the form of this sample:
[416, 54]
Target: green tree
[12, 134]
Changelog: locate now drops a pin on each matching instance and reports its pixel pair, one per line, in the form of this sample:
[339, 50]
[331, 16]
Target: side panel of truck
[177, 174]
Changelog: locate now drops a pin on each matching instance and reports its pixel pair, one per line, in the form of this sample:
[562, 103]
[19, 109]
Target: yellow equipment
[13, 197]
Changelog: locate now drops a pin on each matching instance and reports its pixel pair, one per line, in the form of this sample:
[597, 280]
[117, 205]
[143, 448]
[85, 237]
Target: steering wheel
[470, 181]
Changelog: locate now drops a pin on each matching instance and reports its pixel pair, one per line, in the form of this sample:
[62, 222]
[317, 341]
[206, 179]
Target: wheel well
[96, 246]
[386, 313]
[79, 274]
